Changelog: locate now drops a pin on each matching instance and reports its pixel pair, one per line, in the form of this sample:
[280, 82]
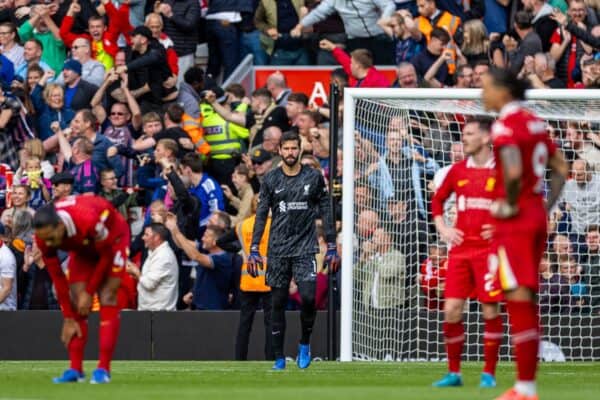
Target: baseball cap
[260, 155]
[62, 177]
[142, 30]
[72, 65]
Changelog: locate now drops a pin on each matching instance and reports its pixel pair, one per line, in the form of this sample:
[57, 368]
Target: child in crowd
[39, 185]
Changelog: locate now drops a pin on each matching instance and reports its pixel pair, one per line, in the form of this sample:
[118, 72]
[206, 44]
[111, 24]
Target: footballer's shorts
[518, 247]
[468, 274]
[280, 270]
[82, 265]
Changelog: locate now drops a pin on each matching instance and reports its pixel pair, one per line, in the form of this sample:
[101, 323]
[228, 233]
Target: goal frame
[351, 95]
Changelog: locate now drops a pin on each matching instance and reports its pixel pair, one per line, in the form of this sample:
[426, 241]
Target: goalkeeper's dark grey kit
[295, 202]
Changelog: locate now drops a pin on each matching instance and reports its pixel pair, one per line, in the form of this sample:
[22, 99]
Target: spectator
[8, 279]
[250, 37]
[78, 92]
[148, 70]
[540, 72]
[214, 271]
[529, 45]
[20, 202]
[591, 266]
[360, 23]
[9, 108]
[173, 118]
[430, 17]
[581, 195]
[151, 126]
[554, 289]
[401, 28]
[464, 77]
[9, 45]
[259, 163]
[406, 76]
[243, 201]
[34, 148]
[476, 43]
[39, 186]
[32, 55]
[297, 103]
[277, 86]
[578, 290]
[181, 19]
[542, 21]
[254, 292]
[37, 292]
[155, 24]
[271, 139]
[579, 138]
[432, 277]
[92, 71]
[110, 191]
[78, 160]
[62, 185]
[358, 65]
[275, 19]
[479, 69]
[42, 28]
[157, 280]
[433, 62]
[103, 38]
[189, 91]
[222, 35]
[49, 103]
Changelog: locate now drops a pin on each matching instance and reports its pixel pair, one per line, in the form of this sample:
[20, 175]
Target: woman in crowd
[49, 103]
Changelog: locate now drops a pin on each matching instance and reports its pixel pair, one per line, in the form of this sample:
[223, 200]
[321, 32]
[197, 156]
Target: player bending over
[96, 237]
[523, 150]
[295, 194]
[472, 181]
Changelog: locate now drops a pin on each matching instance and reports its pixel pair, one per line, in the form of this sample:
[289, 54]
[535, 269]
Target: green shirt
[53, 53]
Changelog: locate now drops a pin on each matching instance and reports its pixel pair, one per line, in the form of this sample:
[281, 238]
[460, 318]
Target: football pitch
[254, 380]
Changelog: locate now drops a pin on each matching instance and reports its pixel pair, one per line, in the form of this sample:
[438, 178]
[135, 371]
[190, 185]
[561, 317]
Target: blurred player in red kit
[472, 181]
[96, 237]
[523, 150]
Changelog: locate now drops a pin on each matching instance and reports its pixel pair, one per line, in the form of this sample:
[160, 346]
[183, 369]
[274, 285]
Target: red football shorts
[517, 249]
[81, 265]
[468, 273]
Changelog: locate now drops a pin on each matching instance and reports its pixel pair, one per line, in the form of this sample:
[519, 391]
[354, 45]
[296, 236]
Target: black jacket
[83, 95]
[182, 28]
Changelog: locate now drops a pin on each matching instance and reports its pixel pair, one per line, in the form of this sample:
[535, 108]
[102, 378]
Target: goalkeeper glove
[255, 261]
[332, 259]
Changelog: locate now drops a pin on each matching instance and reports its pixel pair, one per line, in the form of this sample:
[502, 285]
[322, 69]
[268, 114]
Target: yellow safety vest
[218, 133]
[244, 233]
[448, 22]
[240, 131]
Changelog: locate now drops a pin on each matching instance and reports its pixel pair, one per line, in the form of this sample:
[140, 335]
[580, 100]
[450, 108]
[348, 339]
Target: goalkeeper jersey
[295, 202]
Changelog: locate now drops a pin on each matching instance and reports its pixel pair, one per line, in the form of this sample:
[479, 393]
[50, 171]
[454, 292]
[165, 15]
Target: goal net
[397, 147]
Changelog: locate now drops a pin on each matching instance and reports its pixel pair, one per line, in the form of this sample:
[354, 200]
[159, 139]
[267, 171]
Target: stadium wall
[210, 335]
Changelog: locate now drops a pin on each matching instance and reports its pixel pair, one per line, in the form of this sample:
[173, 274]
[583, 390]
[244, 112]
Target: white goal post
[374, 327]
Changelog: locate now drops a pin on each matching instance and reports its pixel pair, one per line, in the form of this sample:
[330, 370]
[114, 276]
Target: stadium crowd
[105, 97]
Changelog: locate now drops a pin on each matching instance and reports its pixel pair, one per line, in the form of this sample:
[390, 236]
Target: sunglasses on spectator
[117, 113]
[78, 47]
[258, 162]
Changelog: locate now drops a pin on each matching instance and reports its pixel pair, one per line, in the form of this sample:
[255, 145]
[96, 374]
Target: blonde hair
[35, 148]
[50, 88]
[477, 41]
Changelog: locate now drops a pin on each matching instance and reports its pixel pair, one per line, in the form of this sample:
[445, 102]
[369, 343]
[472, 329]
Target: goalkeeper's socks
[110, 322]
[454, 333]
[76, 346]
[525, 333]
[492, 337]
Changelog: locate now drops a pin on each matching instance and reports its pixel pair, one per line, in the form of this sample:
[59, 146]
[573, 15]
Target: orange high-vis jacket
[446, 21]
[193, 127]
[244, 233]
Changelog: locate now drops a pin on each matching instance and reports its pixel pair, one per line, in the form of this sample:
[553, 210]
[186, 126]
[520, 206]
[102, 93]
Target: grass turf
[254, 380]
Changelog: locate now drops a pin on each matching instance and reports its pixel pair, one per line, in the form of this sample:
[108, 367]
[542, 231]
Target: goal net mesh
[401, 150]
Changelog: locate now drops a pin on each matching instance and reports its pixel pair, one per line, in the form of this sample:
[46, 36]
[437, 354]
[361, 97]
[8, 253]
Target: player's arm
[559, 170]
[262, 212]
[61, 286]
[512, 171]
[104, 241]
[448, 234]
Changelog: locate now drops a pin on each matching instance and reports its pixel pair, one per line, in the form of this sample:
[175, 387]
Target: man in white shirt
[581, 195]
[157, 281]
[8, 281]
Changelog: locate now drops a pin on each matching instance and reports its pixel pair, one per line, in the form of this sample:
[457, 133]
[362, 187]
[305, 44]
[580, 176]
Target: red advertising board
[314, 81]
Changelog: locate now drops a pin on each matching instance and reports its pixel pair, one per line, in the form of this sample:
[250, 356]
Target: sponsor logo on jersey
[282, 207]
[495, 293]
[462, 182]
[292, 206]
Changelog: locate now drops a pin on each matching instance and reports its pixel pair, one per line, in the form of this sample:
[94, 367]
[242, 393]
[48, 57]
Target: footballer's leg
[279, 275]
[305, 274]
[110, 323]
[492, 338]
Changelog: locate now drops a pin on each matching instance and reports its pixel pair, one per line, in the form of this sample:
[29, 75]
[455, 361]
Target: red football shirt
[518, 126]
[474, 188]
[93, 228]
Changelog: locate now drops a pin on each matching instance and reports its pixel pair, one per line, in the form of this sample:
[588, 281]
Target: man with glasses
[91, 70]
[9, 46]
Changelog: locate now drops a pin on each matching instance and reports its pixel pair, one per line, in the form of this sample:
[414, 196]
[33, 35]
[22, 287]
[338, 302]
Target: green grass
[253, 380]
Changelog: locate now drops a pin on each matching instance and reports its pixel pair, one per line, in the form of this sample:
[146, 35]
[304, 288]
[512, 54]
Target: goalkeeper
[296, 195]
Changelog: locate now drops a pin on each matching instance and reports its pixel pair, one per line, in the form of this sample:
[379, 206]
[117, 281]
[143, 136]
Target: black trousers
[381, 46]
[249, 303]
